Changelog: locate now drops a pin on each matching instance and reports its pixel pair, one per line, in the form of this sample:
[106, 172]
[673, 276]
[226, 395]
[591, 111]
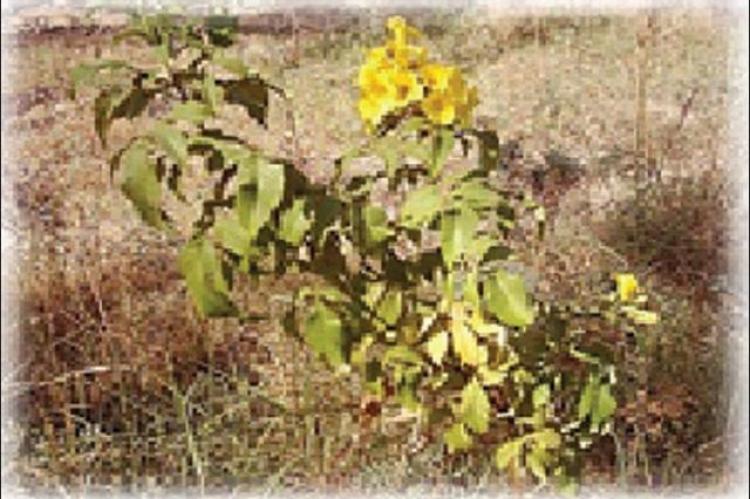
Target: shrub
[420, 297]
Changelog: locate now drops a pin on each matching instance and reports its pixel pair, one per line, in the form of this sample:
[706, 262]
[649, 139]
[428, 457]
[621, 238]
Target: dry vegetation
[119, 384]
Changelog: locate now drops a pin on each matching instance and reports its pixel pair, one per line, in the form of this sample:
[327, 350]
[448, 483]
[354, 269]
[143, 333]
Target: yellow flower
[627, 286]
[437, 76]
[406, 56]
[449, 99]
[407, 87]
[397, 75]
[439, 108]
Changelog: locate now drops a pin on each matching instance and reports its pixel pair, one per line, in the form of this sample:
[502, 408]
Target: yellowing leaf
[475, 407]
[491, 376]
[535, 460]
[390, 307]
[627, 286]
[437, 346]
[547, 439]
[509, 452]
[642, 317]
[456, 438]
[541, 395]
[465, 343]
[373, 294]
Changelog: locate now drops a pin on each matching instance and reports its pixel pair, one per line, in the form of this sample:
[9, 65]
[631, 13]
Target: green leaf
[442, 145]
[256, 202]
[407, 397]
[324, 333]
[585, 403]
[141, 184]
[479, 246]
[172, 141]
[161, 53]
[457, 234]
[421, 206]
[205, 279]
[85, 74]
[376, 224]
[506, 298]
[475, 194]
[547, 438]
[605, 406]
[294, 223]
[465, 343]
[131, 104]
[388, 148]
[508, 452]
[212, 93]
[233, 65]
[390, 307]
[437, 347]
[535, 460]
[475, 407]
[402, 354]
[250, 93]
[232, 235]
[373, 293]
[540, 395]
[191, 111]
[103, 105]
[456, 438]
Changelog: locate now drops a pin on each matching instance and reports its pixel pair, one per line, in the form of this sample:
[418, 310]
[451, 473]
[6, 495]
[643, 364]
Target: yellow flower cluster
[397, 75]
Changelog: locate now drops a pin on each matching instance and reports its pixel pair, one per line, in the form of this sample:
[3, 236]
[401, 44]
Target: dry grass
[119, 384]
